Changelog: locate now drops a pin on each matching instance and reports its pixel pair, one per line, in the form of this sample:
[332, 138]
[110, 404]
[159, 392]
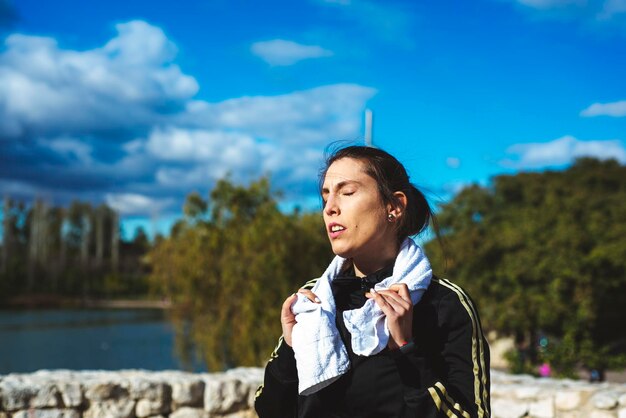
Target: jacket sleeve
[461, 387]
[278, 395]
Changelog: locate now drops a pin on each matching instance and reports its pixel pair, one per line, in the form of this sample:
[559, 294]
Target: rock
[143, 388]
[606, 400]
[102, 391]
[621, 413]
[188, 392]
[622, 399]
[601, 414]
[119, 408]
[527, 392]
[16, 394]
[71, 394]
[241, 414]
[543, 408]
[502, 408]
[47, 396]
[153, 396]
[568, 400]
[147, 407]
[225, 394]
[47, 413]
[186, 412]
[571, 414]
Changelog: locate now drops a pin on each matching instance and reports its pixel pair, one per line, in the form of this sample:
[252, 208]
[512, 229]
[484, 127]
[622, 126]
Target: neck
[368, 265]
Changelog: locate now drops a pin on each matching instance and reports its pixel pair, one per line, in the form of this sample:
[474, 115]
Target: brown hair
[391, 177]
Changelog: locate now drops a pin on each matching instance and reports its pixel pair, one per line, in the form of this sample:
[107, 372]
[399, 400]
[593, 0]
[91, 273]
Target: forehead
[346, 169]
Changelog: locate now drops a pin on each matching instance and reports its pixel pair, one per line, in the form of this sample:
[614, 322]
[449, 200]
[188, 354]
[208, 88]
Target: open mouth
[335, 229]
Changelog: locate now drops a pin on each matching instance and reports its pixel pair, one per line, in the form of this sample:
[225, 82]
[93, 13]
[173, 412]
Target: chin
[341, 250]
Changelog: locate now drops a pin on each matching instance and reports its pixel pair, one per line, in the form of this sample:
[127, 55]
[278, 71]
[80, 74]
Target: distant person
[377, 335]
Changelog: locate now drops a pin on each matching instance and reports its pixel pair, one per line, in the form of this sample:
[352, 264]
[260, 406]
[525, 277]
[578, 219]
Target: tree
[228, 266]
[544, 256]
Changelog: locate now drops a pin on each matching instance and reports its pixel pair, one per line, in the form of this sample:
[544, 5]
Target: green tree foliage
[228, 266]
[52, 251]
[544, 255]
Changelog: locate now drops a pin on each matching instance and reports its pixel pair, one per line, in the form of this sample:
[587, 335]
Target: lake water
[80, 339]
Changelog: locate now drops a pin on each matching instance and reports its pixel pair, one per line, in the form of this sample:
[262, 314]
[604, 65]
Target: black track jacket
[444, 373]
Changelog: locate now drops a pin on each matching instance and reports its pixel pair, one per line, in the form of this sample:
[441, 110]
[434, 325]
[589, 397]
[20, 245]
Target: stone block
[186, 412]
[48, 396]
[571, 414]
[224, 395]
[502, 408]
[241, 414]
[543, 408]
[499, 390]
[15, 394]
[102, 391]
[119, 408]
[527, 392]
[188, 392]
[568, 400]
[71, 394]
[605, 400]
[601, 414]
[148, 407]
[149, 389]
[47, 413]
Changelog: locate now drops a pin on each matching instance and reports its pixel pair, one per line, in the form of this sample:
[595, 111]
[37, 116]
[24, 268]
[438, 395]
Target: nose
[331, 208]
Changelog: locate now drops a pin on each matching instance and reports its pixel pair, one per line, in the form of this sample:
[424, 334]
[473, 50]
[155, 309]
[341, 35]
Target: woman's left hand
[396, 304]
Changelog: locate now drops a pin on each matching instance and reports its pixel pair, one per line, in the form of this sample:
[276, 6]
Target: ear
[398, 211]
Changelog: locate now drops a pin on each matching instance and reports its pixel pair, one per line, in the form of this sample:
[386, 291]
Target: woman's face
[354, 214]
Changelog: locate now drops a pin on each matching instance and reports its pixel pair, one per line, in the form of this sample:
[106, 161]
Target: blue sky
[137, 103]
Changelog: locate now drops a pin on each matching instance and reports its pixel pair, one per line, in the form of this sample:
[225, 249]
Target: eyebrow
[340, 185]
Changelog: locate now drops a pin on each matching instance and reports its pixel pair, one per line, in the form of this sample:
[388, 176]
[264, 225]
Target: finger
[286, 308]
[395, 300]
[310, 295]
[382, 303]
[402, 289]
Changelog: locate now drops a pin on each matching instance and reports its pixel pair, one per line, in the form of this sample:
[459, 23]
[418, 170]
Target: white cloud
[550, 4]
[71, 148]
[121, 121]
[453, 162]
[130, 82]
[562, 151]
[615, 109]
[135, 204]
[600, 11]
[283, 52]
[314, 116]
[612, 8]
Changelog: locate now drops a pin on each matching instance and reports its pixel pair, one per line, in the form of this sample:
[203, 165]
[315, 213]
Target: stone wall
[141, 394]
[129, 394]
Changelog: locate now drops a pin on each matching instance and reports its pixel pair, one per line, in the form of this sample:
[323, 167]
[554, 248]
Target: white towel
[321, 356]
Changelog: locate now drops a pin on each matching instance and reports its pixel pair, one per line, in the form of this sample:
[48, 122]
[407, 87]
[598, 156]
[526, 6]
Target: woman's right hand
[287, 318]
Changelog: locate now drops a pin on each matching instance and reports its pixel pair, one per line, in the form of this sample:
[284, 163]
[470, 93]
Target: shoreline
[60, 302]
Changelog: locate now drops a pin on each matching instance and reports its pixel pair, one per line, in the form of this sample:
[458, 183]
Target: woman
[377, 335]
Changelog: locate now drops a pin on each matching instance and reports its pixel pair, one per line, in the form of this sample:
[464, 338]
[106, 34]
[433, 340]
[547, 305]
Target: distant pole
[115, 241]
[368, 127]
[6, 234]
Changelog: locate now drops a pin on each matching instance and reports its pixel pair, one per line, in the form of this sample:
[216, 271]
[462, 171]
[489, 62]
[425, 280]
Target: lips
[335, 229]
